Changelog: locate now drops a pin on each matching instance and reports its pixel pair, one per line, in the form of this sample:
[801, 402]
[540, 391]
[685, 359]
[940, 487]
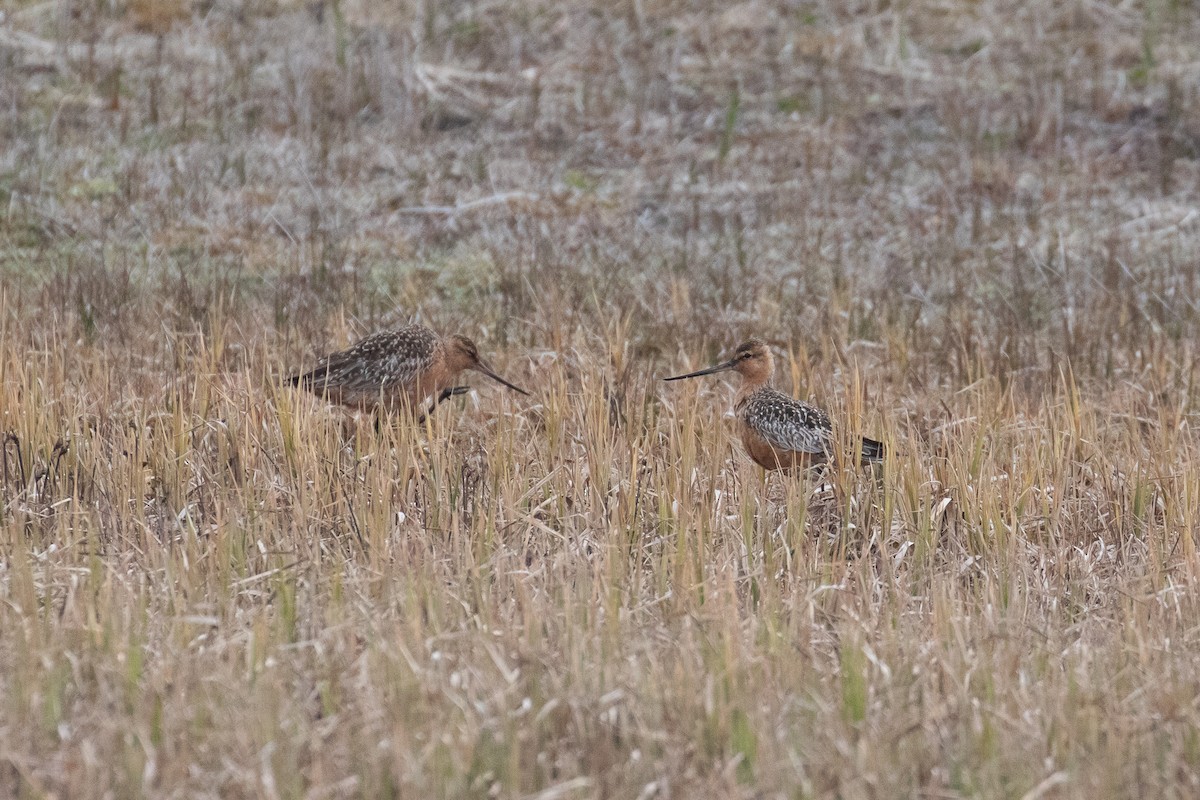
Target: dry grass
[971, 228]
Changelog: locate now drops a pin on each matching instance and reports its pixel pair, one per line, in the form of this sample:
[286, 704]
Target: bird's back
[383, 364]
[780, 431]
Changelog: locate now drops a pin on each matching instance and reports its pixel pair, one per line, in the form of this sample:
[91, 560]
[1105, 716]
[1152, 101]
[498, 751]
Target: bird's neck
[750, 384]
[454, 360]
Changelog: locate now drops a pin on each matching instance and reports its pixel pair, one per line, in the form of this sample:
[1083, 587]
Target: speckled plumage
[778, 431]
[785, 423]
[392, 369]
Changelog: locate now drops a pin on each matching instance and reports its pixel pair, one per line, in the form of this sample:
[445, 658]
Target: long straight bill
[718, 368]
[486, 370]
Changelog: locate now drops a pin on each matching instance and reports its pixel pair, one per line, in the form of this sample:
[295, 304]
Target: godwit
[777, 431]
[395, 369]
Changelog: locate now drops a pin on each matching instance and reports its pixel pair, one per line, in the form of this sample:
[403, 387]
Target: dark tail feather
[295, 380]
[872, 450]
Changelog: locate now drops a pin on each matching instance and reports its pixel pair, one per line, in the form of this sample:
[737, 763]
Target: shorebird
[777, 431]
[395, 369]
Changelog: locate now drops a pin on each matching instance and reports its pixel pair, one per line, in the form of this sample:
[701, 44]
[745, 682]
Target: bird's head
[752, 360]
[461, 353]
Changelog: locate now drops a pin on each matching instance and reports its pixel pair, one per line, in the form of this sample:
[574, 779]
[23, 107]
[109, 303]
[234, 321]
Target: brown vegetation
[970, 229]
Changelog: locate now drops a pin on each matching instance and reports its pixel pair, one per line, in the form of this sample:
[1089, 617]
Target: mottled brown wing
[380, 362]
[786, 423]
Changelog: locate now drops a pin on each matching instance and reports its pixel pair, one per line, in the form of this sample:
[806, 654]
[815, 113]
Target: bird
[397, 369]
[778, 431]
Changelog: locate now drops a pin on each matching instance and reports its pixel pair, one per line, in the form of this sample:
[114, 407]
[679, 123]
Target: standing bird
[396, 369]
[778, 431]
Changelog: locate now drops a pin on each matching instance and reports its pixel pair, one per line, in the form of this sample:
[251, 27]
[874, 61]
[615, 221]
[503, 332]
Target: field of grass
[970, 229]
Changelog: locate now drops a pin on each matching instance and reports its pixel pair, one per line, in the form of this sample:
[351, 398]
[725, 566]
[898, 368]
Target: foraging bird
[398, 368]
[777, 431]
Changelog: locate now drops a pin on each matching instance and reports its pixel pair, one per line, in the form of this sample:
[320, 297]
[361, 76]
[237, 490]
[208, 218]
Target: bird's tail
[872, 450]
